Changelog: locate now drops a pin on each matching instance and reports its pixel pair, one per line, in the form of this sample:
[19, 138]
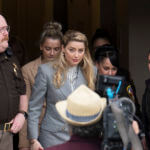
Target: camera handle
[111, 97]
[126, 131]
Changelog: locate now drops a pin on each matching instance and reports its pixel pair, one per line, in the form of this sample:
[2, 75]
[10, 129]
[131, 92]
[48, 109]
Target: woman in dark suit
[55, 82]
[107, 62]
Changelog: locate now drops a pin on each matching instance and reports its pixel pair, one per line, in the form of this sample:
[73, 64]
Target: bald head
[2, 20]
[3, 34]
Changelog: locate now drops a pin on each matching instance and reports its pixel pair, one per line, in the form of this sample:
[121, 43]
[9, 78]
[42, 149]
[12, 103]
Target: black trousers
[16, 141]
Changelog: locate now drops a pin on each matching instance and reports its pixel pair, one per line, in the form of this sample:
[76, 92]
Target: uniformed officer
[13, 99]
[107, 62]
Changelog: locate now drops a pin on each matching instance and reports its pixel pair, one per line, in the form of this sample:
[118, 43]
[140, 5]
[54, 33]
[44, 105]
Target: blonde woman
[55, 82]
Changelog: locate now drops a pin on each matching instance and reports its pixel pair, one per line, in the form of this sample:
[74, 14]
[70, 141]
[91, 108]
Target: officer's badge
[15, 69]
[130, 92]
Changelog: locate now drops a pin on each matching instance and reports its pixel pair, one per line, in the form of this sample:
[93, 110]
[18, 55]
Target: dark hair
[51, 30]
[100, 34]
[94, 130]
[107, 51]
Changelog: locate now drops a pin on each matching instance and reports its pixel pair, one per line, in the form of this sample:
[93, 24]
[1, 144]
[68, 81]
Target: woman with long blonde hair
[56, 81]
[86, 63]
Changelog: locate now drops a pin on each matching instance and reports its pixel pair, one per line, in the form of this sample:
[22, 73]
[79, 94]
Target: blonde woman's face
[74, 52]
[50, 49]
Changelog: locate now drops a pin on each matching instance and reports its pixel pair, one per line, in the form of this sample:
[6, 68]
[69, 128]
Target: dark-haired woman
[107, 62]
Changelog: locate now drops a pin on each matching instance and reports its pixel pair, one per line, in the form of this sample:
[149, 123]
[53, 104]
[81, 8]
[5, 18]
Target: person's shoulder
[30, 64]
[46, 68]
[37, 60]
[11, 57]
[125, 73]
[13, 60]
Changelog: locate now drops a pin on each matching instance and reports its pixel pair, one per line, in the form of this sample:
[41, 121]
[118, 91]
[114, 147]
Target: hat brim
[61, 107]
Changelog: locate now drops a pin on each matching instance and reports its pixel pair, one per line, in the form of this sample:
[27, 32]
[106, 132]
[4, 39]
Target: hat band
[81, 118]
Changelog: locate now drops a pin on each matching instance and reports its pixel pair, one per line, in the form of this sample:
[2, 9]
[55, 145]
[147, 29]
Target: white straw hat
[82, 107]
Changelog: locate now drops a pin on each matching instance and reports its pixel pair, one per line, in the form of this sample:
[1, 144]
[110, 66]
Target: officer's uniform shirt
[12, 85]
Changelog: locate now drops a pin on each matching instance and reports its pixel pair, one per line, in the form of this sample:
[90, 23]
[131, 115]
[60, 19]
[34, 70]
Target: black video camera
[112, 139]
[104, 81]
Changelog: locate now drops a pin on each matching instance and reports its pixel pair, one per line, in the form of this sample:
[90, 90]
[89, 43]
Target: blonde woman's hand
[35, 145]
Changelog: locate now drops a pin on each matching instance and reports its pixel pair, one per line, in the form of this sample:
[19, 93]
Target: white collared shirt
[72, 77]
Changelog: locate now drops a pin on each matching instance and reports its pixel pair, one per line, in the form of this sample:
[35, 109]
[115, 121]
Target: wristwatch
[24, 113]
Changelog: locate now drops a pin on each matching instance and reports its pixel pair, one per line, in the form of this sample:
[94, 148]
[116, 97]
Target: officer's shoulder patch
[130, 92]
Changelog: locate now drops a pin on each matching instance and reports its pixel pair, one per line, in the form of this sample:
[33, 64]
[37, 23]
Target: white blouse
[72, 76]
